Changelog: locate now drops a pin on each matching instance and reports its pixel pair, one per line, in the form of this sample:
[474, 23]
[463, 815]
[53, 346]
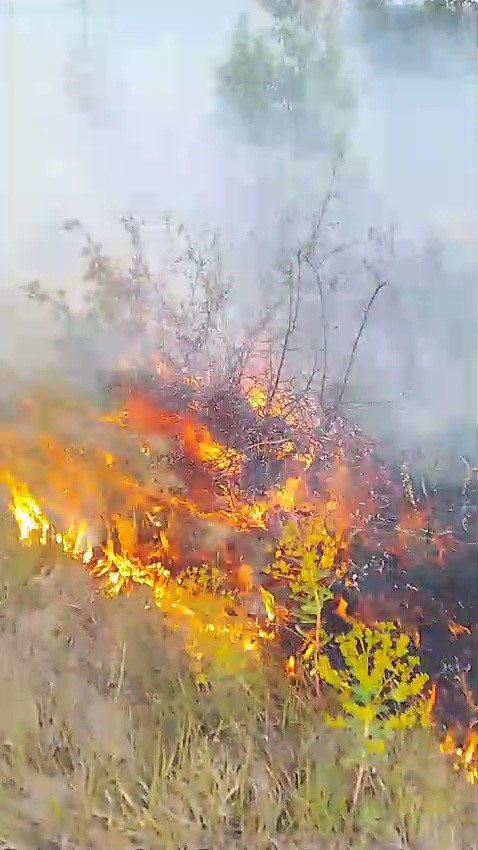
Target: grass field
[107, 744]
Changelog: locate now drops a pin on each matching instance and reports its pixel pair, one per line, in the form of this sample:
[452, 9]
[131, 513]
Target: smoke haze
[110, 110]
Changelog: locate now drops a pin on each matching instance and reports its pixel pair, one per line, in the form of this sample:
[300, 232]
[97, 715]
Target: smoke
[110, 109]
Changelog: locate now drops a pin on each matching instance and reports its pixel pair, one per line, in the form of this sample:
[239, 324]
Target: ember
[188, 492]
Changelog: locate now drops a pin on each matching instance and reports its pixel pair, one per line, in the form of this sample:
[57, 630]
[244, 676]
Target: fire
[143, 415]
[287, 497]
[465, 756]
[32, 523]
[432, 701]
[278, 402]
[27, 512]
[457, 629]
[245, 577]
[199, 443]
[120, 571]
[182, 513]
[342, 610]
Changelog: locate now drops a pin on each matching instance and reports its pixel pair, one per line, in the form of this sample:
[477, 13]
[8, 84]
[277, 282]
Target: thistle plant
[380, 690]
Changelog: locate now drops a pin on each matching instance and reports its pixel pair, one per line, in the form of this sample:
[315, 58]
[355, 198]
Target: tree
[284, 81]
[415, 26]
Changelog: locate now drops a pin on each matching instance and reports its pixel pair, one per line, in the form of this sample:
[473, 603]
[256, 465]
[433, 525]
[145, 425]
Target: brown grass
[106, 743]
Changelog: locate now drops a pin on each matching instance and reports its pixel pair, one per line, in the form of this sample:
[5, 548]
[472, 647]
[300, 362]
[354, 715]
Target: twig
[380, 285]
[121, 673]
[357, 789]
[325, 332]
[291, 326]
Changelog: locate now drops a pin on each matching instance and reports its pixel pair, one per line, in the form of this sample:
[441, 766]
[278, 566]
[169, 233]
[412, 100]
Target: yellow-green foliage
[308, 558]
[381, 689]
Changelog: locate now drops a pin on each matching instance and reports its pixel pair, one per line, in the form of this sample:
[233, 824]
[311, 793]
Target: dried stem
[357, 790]
[293, 313]
[325, 330]
[379, 286]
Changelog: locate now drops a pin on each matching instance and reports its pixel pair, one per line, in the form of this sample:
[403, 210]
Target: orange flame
[211, 493]
[465, 756]
[119, 570]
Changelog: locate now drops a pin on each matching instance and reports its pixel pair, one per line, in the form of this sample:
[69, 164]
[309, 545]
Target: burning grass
[276, 643]
[173, 714]
[107, 743]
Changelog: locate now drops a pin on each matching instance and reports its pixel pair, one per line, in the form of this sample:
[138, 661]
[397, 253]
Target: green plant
[380, 690]
[308, 559]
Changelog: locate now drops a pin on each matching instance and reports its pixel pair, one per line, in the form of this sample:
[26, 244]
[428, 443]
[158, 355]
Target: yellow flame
[119, 570]
[27, 512]
[465, 757]
[286, 498]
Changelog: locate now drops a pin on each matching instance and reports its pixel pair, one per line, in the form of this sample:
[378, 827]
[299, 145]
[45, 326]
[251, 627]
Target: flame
[245, 577]
[143, 415]
[337, 482]
[465, 756]
[287, 497]
[27, 512]
[277, 403]
[341, 609]
[457, 629]
[432, 701]
[470, 760]
[119, 571]
[199, 443]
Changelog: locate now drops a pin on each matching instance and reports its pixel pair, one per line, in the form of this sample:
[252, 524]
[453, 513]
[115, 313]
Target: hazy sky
[112, 113]
[115, 116]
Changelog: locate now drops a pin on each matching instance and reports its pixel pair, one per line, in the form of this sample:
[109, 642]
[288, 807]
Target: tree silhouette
[284, 81]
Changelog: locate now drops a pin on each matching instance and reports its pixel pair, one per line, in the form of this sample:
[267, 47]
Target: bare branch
[381, 284]
[293, 313]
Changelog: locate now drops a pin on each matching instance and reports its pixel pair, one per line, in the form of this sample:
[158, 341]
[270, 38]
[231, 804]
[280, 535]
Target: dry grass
[107, 745]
